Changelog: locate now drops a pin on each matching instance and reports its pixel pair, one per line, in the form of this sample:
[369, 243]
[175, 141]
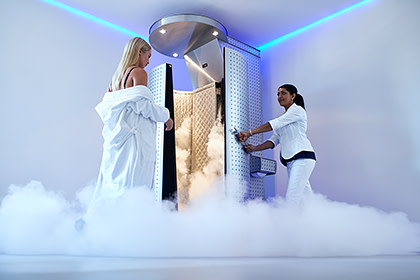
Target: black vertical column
[169, 182]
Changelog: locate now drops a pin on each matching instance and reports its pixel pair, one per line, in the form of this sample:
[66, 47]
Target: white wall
[359, 74]
[55, 68]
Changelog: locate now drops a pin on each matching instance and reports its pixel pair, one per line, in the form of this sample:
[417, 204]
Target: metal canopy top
[179, 34]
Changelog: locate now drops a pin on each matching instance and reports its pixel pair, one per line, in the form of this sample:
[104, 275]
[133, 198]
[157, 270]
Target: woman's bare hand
[243, 136]
[169, 124]
[250, 148]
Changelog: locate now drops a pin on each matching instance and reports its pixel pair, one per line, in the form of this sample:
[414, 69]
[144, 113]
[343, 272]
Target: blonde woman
[129, 116]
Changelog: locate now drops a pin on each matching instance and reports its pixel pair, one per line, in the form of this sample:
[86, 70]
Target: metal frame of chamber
[207, 57]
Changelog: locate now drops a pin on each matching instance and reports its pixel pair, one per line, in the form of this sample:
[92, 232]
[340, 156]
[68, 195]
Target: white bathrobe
[129, 150]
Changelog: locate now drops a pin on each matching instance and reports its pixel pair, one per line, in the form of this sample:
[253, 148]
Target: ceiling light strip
[93, 18]
[260, 48]
[300, 30]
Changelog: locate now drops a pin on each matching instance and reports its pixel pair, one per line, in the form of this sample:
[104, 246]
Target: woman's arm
[244, 135]
[264, 146]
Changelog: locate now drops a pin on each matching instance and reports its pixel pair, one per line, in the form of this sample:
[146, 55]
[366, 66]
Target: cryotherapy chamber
[226, 98]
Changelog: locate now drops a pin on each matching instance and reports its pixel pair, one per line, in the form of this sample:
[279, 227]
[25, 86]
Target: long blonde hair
[130, 57]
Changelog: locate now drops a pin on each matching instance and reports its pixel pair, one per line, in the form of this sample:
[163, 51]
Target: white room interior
[358, 73]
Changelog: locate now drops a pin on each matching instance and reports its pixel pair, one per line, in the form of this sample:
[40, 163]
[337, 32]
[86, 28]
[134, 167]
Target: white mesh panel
[204, 117]
[199, 107]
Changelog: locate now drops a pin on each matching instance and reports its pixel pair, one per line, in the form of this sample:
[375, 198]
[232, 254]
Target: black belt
[303, 154]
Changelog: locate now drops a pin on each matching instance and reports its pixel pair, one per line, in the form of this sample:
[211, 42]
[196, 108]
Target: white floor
[92, 268]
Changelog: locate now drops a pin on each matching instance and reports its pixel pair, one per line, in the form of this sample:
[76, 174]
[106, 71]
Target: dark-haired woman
[289, 130]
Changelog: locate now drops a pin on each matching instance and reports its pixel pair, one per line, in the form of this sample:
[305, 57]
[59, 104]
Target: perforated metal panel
[252, 56]
[236, 94]
[157, 85]
[262, 166]
[243, 46]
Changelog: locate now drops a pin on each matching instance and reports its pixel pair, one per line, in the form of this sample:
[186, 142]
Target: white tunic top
[129, 150]
[289, 130]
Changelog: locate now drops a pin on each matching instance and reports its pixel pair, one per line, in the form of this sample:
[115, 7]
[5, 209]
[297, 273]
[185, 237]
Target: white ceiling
[254, 22]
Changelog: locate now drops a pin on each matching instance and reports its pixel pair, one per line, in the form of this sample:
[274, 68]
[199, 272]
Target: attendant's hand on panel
[250, 148]
[243, 136]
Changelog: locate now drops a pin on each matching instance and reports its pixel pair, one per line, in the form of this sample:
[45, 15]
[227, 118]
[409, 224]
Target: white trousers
[299, 171]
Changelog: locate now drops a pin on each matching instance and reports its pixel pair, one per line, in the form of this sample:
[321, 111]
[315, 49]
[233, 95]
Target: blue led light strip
[261, 48]
[300, 30]
[93, 18]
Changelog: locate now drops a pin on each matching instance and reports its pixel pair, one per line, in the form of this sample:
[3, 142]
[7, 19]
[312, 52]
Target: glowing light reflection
[93, 18]
[198, 68]
[300, 30]
[261, 48]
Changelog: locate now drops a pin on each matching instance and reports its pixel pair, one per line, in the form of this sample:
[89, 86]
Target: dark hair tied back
[293, 90]
[299, 100]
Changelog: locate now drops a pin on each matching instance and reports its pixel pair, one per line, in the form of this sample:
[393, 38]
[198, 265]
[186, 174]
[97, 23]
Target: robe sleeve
[275, 139]
[150, 110]
[292, 115]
